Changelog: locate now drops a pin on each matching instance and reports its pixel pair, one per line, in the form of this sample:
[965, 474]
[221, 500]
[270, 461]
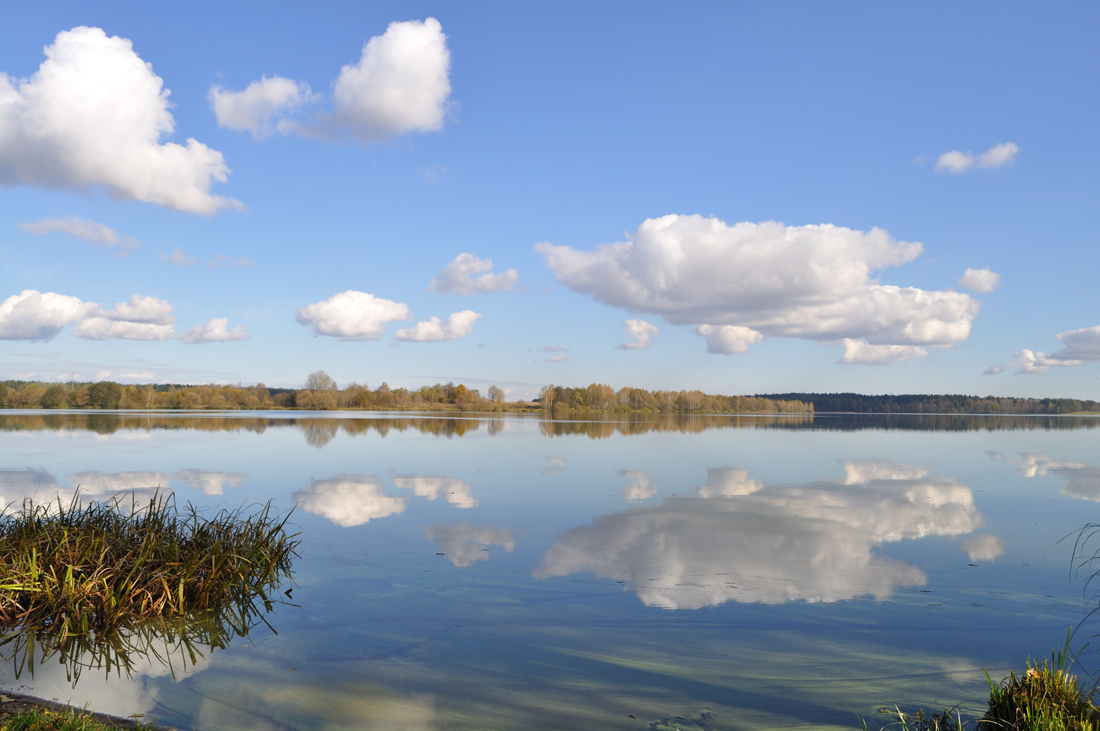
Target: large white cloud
[98, 234]
[349, 500]
[262, 106]
[95, 114]
[142, 318]
[352, 315]
[464, 545]
[959, 162]
[433, 330]
[215, 331]
[813, 282]
[34, 315]
[467, 274]
[400, 83]
[768, 544]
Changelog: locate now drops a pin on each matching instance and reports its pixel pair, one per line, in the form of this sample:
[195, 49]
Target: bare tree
[320, 381]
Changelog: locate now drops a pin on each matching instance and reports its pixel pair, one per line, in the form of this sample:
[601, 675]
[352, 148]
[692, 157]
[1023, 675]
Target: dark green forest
[936, 404]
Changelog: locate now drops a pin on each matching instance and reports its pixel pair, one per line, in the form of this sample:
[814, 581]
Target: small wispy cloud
[94, 232]
[177, 258]
[957, 162]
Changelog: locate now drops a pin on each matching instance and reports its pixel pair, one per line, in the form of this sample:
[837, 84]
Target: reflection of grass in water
[105, 582]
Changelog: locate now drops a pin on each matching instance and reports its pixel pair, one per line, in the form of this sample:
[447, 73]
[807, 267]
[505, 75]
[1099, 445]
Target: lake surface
[510, 573]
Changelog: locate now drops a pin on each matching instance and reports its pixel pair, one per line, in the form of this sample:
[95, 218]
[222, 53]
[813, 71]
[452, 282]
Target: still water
[507, 573]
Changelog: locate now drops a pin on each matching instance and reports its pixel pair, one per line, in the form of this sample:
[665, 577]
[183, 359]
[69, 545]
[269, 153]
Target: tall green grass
[106, 577]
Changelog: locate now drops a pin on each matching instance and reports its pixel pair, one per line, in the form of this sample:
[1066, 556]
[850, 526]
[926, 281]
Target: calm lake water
[510, 573]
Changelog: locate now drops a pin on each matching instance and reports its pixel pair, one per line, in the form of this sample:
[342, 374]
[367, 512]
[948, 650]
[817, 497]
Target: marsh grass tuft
[83, 571]
[1045, 698]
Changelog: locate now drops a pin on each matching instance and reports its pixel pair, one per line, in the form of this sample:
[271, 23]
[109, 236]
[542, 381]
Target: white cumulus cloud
[400, 83]
[94, 232]
[262, 107]
[95, 114]
[980, 280]
[641, 332]
[467, 274]
[215, 331]
[34, 315]
[728, 339]
[142, 318]
[813, 282]
[352, 315]
[433, 330]
[959, 162]
[1078, 346]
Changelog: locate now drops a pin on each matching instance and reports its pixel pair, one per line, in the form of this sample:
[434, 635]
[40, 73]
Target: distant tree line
[319, 393]
[600, 397]
[933, 404]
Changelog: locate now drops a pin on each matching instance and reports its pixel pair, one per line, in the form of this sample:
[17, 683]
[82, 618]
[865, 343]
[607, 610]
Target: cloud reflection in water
[745, 541]
[642, 486]
[1082, 480]
[464, 545]
[455, 491]
[349, 500]
[43, 487]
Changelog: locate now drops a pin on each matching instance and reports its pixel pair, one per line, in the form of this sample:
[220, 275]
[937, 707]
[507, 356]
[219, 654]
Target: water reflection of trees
[320, 431]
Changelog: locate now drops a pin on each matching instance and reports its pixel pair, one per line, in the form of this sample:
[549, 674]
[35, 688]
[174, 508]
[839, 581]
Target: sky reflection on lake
[506, 572]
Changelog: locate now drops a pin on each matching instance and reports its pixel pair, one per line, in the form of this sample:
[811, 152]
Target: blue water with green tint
[712, 572]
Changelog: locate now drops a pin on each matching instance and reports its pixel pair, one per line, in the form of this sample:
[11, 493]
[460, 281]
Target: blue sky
[753, 198]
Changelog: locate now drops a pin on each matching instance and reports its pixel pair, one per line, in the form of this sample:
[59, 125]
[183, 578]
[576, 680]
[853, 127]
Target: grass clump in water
[81, 569]
[1045, 698]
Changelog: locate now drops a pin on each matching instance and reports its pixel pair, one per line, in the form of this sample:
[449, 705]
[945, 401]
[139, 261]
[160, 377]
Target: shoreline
[12, 702]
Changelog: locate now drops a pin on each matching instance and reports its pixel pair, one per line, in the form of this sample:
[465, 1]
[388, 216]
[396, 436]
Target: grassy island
[92, 568]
